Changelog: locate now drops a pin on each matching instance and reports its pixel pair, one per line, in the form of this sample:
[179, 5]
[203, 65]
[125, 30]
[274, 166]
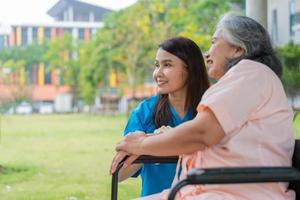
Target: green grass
[297, 127]
[59, 157]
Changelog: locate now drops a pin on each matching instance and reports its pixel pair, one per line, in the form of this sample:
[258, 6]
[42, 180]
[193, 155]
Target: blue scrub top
[155, 177]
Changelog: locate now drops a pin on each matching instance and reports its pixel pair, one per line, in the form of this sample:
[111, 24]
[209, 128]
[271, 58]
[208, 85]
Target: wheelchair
[225, 175]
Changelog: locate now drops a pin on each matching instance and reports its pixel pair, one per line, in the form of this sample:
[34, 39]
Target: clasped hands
[132, 146]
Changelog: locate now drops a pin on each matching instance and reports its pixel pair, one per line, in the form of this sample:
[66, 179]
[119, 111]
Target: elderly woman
[243, 120]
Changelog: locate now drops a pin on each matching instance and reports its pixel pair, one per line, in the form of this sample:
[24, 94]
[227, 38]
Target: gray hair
[246, 33]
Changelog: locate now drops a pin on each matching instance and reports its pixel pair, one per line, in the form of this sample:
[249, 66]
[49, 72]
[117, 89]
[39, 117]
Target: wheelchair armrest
[243, 175]
[156, 159]
[237, 175]
[141, 159]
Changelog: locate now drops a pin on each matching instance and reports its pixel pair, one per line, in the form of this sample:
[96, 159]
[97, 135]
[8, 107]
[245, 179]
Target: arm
[201, 132]
[129, 171]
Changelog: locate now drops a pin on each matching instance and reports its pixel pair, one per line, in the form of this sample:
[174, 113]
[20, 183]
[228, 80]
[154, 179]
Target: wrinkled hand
[119, 158]
[162, 129]
[132, 143]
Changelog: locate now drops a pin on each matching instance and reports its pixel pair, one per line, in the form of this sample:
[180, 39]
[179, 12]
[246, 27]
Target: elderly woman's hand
[119, 157]
[132, 143]
[162, 129]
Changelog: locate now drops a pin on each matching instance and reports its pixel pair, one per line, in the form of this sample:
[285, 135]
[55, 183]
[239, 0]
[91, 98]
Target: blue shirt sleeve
[141, 120]
[134, 123]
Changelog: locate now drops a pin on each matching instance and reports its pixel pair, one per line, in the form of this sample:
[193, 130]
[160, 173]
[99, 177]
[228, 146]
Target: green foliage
[126, 43]
[290, 54]
[17, 57]
[129, 38]
[62, 54]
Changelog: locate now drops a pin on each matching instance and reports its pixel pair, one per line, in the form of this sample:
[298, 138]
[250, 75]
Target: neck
[177, 100]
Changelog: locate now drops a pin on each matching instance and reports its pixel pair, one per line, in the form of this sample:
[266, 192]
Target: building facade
[280, 17]
[81, 20]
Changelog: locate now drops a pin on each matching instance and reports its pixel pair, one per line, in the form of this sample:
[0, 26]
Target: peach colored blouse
[251, 106]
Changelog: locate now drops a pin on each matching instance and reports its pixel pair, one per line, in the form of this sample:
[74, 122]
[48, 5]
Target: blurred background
[71, 71]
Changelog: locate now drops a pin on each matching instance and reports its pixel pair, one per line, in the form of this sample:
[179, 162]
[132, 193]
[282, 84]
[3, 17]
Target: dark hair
[197, 80]
[251, 36]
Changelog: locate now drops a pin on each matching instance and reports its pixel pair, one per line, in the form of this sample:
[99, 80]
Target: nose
[157, 72]
[159, 69]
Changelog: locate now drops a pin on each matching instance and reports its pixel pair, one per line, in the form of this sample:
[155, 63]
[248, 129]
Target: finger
[164, 128]
[120, 144]
[117, 159]
[130, 160]
[119, 147]
[112, 165]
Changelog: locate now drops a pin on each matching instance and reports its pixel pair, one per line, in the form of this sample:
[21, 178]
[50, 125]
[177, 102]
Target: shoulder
[253, 69]
[249, 72]
[147, 104]
[247, 76]
[145, 109]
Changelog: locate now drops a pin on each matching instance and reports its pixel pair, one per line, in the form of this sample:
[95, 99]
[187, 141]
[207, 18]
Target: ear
[238, 52]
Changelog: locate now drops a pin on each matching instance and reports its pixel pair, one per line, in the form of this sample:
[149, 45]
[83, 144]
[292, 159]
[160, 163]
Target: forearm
[185, 139]
[201, 132]
[127, 172]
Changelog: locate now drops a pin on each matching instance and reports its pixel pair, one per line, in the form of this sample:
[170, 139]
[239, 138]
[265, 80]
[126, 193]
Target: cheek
[211, 72]
[180, 79]
[184, 77]
[154, 74]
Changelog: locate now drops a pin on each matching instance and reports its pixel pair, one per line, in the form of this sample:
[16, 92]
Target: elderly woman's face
[218, 54]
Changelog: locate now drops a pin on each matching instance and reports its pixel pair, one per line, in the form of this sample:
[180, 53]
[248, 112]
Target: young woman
[243, 120]
[181, 79]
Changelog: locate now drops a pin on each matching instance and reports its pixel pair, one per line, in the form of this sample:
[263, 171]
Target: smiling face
[218, 55]
[170, 73]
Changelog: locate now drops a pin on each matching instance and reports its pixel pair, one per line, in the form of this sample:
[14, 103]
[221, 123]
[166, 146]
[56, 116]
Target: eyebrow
[166, 60]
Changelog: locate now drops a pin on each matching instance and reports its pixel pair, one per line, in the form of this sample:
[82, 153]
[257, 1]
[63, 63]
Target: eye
[167, 65]
[156, 65]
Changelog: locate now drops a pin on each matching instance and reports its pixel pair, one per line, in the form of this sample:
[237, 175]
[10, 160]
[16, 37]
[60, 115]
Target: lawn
[62, 157]
[297, 127]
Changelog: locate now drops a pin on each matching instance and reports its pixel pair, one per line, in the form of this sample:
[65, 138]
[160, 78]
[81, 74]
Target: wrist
[143, 146]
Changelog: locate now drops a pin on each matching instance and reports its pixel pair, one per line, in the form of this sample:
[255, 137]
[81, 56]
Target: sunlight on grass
[60, 157]
[297, 127]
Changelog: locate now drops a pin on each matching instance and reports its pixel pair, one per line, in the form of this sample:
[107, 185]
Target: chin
[159, 91]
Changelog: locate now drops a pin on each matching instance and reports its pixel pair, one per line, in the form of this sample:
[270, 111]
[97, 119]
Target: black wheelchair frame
[226, 175]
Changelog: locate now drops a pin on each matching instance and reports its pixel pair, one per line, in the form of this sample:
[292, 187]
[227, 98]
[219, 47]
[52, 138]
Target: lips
[160, 83]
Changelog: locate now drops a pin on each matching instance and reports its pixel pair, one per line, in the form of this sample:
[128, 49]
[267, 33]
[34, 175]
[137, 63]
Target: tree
[128, 40]
[62, 54]
[22, 59]
[290, 54]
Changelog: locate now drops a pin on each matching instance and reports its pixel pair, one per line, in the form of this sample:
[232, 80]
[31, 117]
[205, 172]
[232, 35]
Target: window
[274, 27]
[47, 33]
[24, 36]
[34, 34]
[80, 34]
[292, 16]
